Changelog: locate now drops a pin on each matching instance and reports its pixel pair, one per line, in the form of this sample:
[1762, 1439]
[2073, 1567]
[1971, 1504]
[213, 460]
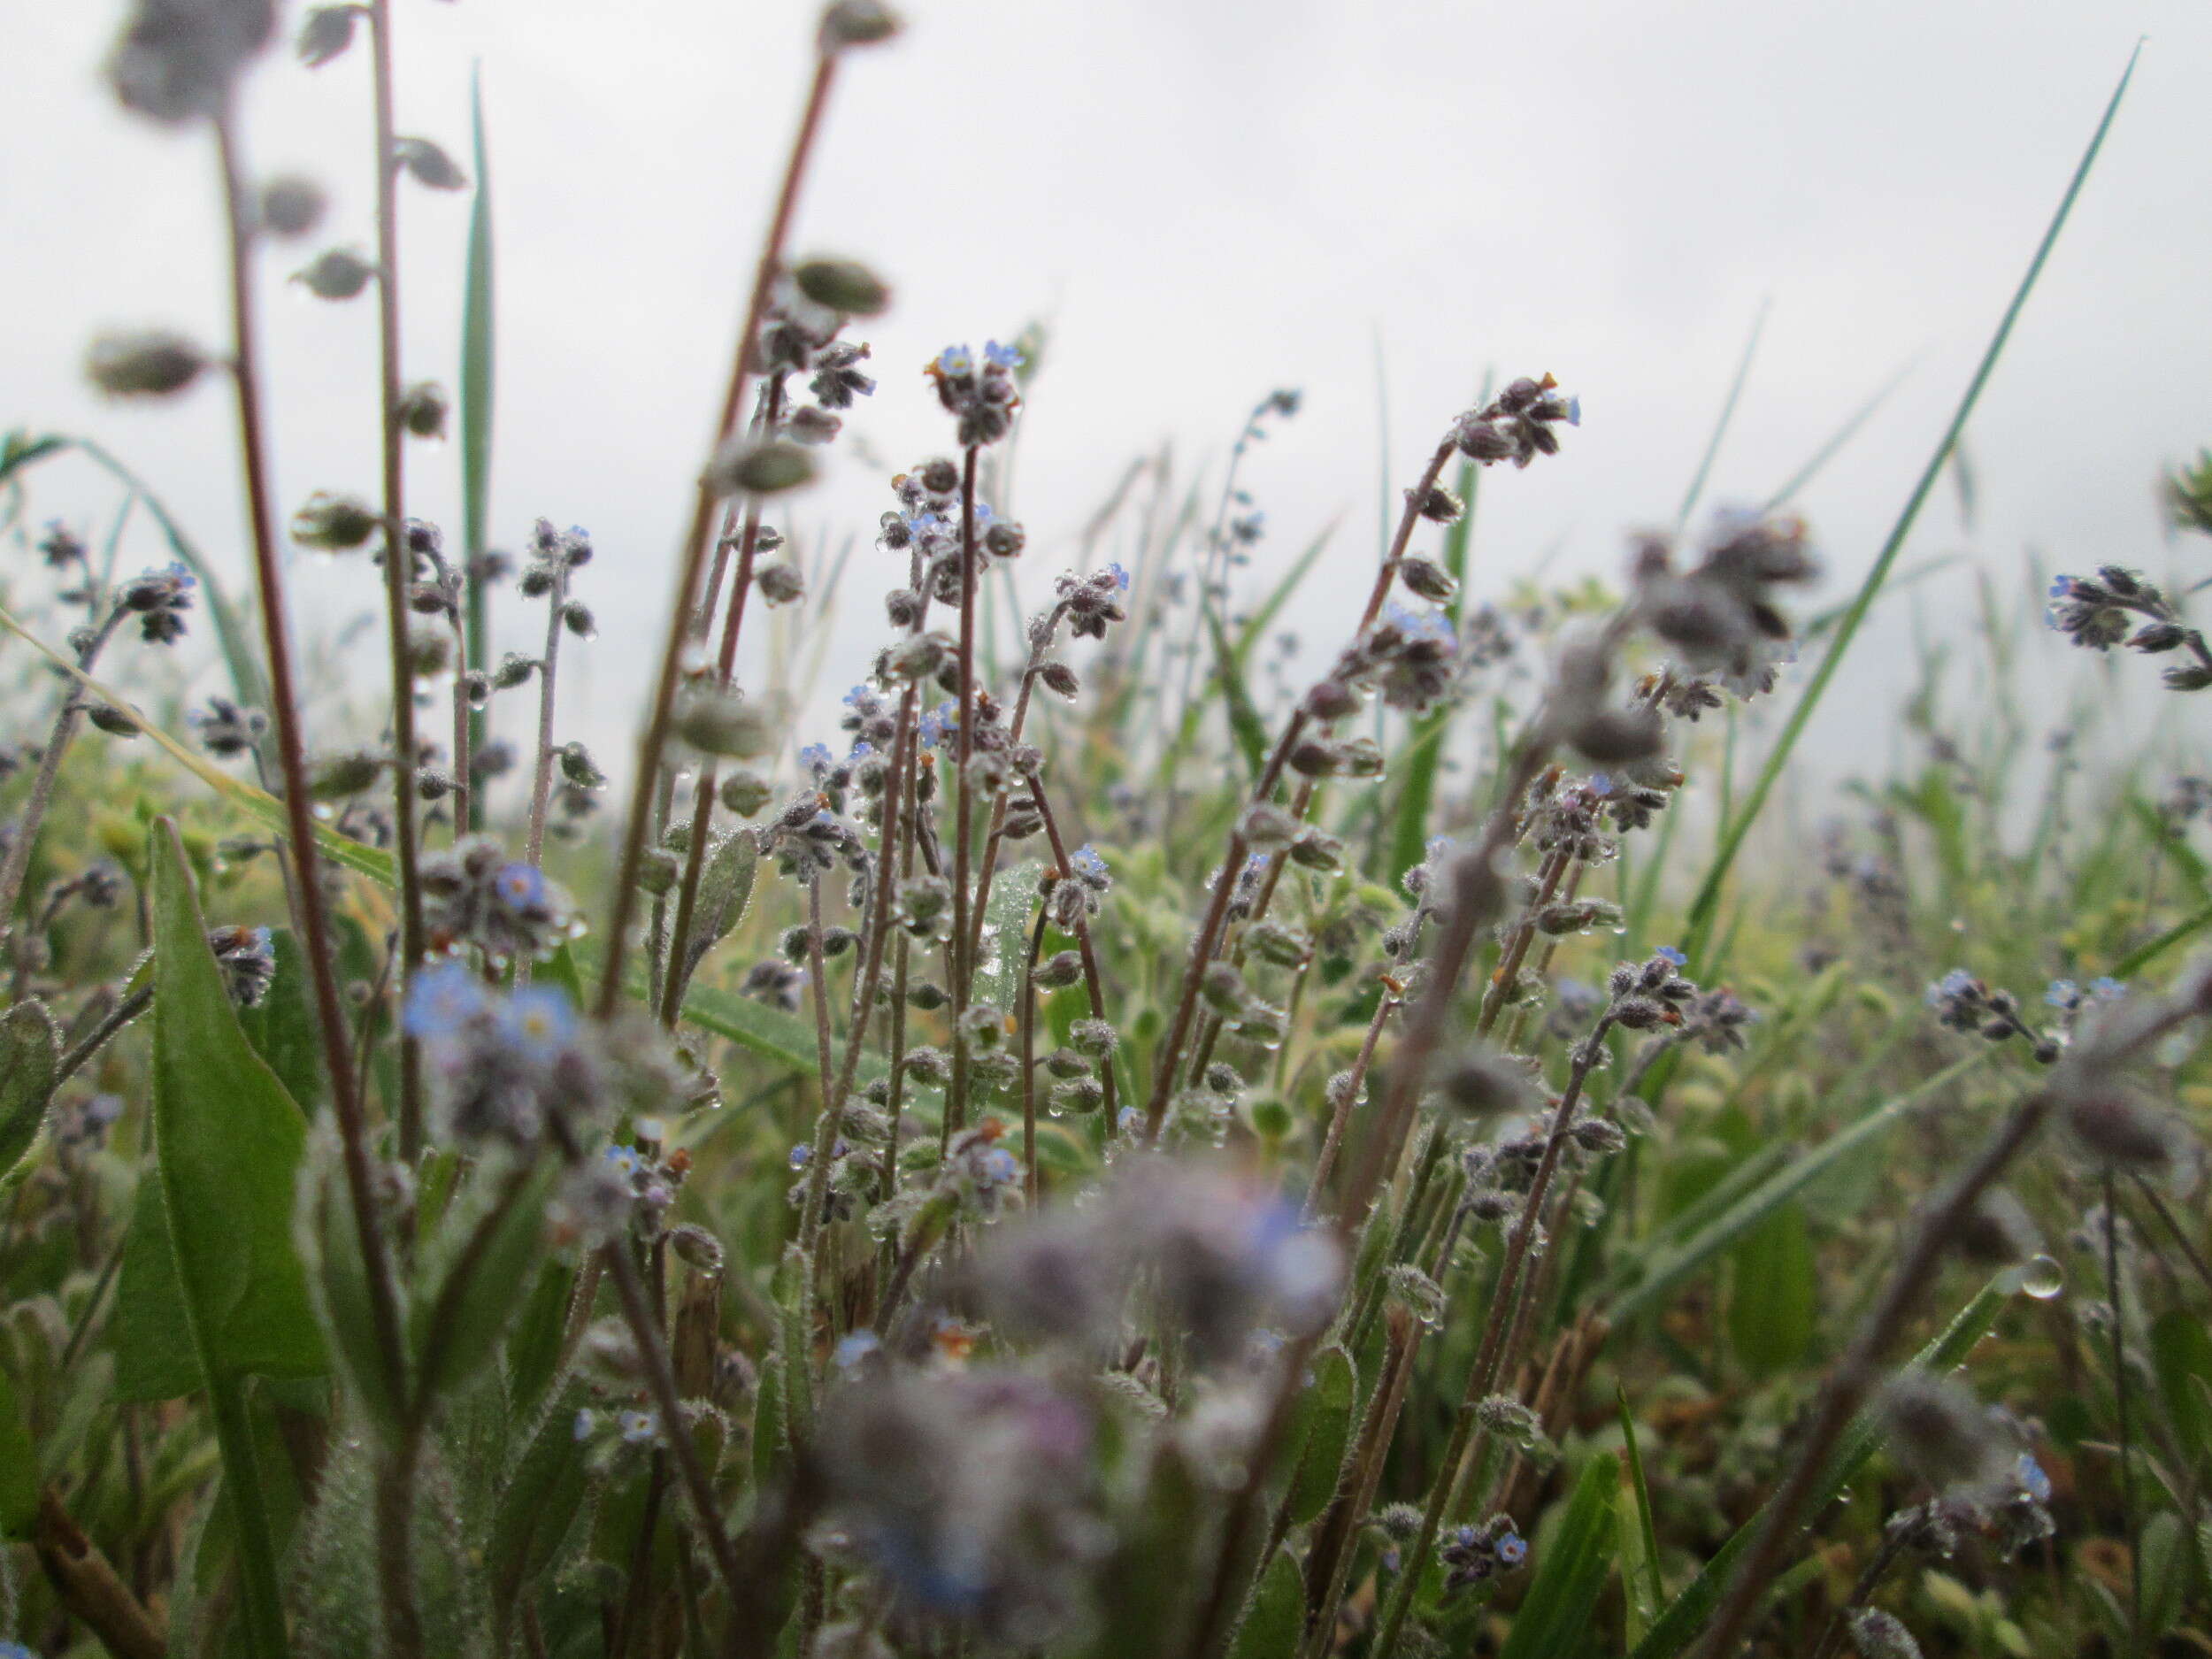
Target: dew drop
[2042, 1277]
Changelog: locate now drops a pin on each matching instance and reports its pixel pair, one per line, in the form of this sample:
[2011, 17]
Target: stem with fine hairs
[399, 574]
[321, 957]
[691, 554]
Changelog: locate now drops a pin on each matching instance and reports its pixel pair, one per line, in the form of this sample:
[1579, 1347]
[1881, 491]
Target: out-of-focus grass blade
[1665, 1266]
[364, 861]
[1233, 663]
[1828, 451]
[2143, 955]
[1554, 1620]
[233, 637]
[1705, 907]
[1727, 415]
[1687, 1615]
[478, 338]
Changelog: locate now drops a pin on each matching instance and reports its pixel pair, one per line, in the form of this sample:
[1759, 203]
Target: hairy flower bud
[748, 466]
[151, 363]
[339, 274]
[291, 205]
[842, 285]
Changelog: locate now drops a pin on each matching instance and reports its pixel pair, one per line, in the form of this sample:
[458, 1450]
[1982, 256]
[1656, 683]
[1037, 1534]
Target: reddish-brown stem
[692, 553]
[330, 1018]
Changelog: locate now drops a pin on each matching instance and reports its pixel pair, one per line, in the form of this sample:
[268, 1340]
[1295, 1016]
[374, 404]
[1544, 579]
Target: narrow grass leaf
[478, 336]
[257, 803]
[1665, 1266]
[1687, 1615]
[1727, 415]
[1705, 907]
[1641, 1577]
[1554, 1620]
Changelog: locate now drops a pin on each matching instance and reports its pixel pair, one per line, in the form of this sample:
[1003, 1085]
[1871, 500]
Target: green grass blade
[1554, 1619]
[258, 804]
[479, 335]
[1727, 415]
[1666, 1266]
[1841, 436]
[241, 654]
[1705, 907]
[1647, 1590]
[1687, 1615]
[2144, 955]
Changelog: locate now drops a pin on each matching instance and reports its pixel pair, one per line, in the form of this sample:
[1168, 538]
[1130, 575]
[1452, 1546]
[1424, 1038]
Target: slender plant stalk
[1452, 1473]
[961, 961]
[549, 687]
[691, 554]
[399, 574]
[321, 957]
[1028, 995]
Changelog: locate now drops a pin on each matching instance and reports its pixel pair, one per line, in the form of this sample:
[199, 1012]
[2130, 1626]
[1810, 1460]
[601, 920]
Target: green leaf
[152, 1339]
[1705, 907]
[1554, 1622]
[30, 1054]
[19, 1465]
[458, 1331]
[726, 887]
[2182, 1355]
[543, 1496]
[281, 1026]
[1326, 1414]
[2165, 1548]
[1776, 1295]
[533, 1352]
[227, 1145]
[2144, 955]
[1687, 1615]
[1277, 1615]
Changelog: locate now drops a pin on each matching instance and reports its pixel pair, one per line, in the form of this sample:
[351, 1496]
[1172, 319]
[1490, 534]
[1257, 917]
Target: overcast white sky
[1204, 200]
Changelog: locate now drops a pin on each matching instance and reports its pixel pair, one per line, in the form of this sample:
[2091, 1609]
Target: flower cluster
[980, 394]
[158, 599]
[2099, 612]
[503, 1062]
[1473, 1555]
[1964, 1003]
[475, 894]
[1518, 425]
[1720, 615]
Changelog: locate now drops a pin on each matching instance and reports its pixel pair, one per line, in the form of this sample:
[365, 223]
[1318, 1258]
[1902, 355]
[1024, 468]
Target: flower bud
[745, 467]
[1428, 579]
[842, 285]
[780, 584]
[1057, 971]
[339, 274]
[152, 363]
[1078, 1095]
[422, 409]
[430, 164]
[858, 23]
[291, 206]
[715, 720]
[744, 792]
[326, 33]
[112, 720]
